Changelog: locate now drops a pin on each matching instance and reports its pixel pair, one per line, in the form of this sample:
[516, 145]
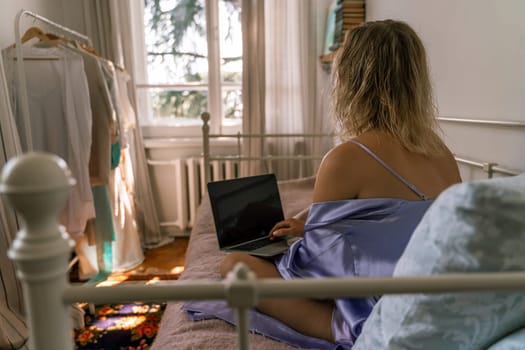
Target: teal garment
[115, 154]
[104, 232]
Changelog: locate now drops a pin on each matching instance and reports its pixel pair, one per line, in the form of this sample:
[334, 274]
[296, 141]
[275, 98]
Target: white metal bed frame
[41, 251]
[208, 157]
[491, 168]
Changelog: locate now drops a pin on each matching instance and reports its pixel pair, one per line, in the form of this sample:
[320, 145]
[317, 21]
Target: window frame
[214, 87]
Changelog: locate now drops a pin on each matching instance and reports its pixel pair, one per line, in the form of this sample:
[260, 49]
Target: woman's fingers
[279, 227]
[288, 227]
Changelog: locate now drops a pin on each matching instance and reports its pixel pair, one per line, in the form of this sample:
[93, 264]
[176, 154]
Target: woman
[371, 191]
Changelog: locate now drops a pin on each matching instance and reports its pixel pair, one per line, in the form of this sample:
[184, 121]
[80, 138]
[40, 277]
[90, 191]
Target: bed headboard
[306, 163]
[303, 154]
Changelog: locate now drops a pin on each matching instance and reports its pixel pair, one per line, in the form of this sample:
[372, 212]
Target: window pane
[178, 104]
[231, 40]
[232, 106]
[177, 61]
[175, 34]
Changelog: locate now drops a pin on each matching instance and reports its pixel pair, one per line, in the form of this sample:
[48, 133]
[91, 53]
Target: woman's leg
[310, 317]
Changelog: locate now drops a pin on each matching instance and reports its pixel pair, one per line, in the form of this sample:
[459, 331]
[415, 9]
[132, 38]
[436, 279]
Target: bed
[203, 259]
[202, 262]
[480, 216]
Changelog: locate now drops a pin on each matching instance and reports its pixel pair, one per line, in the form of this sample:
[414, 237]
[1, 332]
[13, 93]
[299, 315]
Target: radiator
[180, 185]
[196, 183]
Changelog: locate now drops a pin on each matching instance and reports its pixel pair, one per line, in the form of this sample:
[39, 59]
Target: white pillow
[471, 227]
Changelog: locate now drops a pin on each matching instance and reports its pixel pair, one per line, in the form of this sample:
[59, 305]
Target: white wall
[52, 9]
[476, 50]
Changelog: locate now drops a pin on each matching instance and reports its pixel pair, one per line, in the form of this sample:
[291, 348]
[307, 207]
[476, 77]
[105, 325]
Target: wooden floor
[165, 262]
[168, 258]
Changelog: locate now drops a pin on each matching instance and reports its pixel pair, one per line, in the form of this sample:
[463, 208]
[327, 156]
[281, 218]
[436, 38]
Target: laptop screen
[245, 208]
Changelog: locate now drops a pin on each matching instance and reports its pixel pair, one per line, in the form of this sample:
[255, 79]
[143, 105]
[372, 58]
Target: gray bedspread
[202, 263]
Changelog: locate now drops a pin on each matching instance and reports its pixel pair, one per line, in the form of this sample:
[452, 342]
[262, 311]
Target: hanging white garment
[110, 76]
[60, 120]
[146, 212]
[9, 134]
[103, 120]
[126, 247]
[127, 116]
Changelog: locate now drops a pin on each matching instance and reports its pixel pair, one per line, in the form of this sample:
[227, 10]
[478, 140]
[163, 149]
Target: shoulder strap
[392, 171]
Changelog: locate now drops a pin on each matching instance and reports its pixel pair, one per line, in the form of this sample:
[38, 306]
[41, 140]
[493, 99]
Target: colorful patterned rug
[130, 326]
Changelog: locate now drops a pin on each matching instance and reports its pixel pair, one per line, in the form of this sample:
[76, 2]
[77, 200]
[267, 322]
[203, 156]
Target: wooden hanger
[35, 32]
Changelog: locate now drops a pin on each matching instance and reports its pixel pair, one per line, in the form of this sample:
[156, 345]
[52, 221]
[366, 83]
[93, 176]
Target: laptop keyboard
[255, 244]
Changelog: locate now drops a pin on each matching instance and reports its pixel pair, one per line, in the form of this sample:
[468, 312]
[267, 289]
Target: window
[192, 65]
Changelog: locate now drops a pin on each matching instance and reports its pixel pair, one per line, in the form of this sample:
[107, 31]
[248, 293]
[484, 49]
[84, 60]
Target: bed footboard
[41, 251]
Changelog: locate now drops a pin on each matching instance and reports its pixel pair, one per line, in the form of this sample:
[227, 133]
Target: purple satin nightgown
[345, 238]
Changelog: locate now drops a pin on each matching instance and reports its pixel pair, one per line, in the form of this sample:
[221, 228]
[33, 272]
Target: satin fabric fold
[357, 237]
[259, 323]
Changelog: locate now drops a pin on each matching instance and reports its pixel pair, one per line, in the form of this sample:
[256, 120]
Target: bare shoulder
[451, 166]
[338, 174]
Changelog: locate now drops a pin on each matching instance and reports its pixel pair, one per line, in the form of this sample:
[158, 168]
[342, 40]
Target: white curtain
[296, 91]
[129, 33]
[8, 220]
[253, 82]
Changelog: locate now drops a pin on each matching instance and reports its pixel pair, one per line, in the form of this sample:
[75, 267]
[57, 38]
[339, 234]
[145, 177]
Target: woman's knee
[230, 261]
[261, 267]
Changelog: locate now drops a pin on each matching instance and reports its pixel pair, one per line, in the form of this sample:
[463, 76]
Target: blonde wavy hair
[382, 82]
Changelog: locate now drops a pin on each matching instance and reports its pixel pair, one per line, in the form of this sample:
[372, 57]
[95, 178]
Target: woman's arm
[303, 214]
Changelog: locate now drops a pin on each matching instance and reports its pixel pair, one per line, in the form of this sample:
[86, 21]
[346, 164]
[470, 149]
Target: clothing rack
[22, 87]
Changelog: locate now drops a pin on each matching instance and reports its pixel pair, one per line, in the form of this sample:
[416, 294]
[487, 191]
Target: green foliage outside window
[176, 49]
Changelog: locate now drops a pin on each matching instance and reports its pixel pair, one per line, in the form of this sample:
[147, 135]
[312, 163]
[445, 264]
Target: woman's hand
[292, 227]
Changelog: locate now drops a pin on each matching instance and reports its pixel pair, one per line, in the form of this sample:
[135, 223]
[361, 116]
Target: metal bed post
[205, 116]
[239, 154]
[489, 168]
[241, 294]
[42, 248]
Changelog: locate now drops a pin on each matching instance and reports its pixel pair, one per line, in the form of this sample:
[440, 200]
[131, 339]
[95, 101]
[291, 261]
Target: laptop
[245, 210]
